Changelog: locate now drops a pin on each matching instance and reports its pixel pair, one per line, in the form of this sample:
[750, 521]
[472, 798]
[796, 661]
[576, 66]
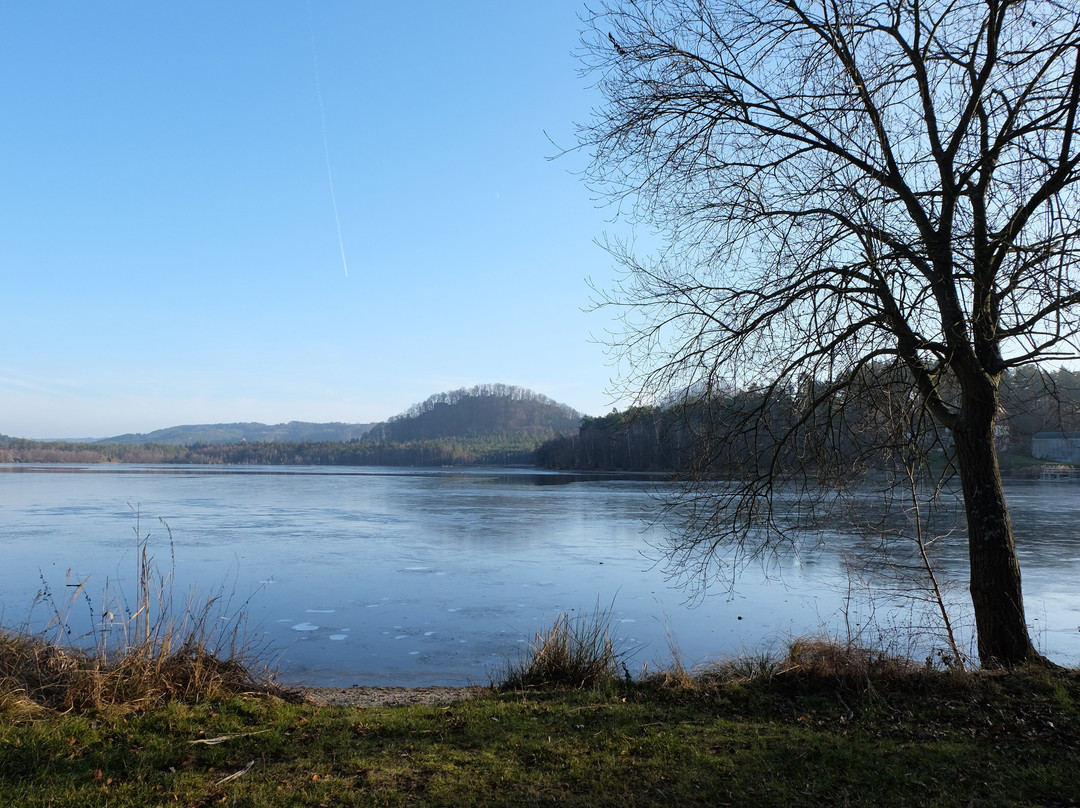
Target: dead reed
[140, 651]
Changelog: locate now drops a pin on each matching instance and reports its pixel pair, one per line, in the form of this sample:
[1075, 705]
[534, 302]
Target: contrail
[325, 143]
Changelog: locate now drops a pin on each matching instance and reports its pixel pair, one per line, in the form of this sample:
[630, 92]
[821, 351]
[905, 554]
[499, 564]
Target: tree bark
[996, 594]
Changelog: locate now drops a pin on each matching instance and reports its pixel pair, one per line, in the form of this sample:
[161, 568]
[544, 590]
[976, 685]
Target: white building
[1061, 447]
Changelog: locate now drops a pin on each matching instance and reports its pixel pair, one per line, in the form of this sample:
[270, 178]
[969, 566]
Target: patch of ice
[305, 627]
[401, 636]
[428, 633]
[320, 611]
[339, 636]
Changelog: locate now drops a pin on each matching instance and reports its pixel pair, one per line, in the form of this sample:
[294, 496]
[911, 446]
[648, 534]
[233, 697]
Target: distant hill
[491, 424]
[482, 411]
[250, 432]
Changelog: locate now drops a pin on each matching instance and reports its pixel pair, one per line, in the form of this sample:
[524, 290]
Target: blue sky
[168, 238]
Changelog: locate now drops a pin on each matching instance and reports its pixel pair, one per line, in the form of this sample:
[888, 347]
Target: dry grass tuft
[675, 677]
[749, 667]
[827, 659]
[576, 652]
[808, 660]
[37, 674]
[139, 654]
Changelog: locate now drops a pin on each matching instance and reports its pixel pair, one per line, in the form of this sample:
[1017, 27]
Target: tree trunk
[995, 570]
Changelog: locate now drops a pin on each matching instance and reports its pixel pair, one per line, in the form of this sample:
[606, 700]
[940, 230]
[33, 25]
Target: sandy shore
[388, 696]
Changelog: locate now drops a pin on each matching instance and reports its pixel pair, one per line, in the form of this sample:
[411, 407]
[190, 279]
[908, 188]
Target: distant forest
[297, 431]
[492, 424]
[504, 425]
[718, 433]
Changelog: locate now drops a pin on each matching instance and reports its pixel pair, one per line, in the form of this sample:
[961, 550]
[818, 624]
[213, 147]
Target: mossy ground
[792, 739]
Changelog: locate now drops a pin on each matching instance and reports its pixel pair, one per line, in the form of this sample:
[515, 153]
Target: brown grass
[826, 659]
[575, 652]
[138, 654]
[845, 665]
[36, 674]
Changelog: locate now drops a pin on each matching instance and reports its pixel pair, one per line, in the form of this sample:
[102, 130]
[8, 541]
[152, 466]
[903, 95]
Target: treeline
[725, 433]
[1035, 401]
[655, 439]
[481, 450]
[21, 450]
[299, 431]
[804, 427]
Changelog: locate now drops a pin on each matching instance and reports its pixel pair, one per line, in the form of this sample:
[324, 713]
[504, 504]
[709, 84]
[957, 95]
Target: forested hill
[491, 424]
[294, 431]
[485, 410]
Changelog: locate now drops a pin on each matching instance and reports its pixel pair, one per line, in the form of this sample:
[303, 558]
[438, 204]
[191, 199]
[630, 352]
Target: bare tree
[848, 189]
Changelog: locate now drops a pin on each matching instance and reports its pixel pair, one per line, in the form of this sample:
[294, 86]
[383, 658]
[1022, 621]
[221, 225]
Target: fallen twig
[223, 738]
[234, 775]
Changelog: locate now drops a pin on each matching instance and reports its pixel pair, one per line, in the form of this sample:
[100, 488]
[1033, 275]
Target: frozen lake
[407, 576]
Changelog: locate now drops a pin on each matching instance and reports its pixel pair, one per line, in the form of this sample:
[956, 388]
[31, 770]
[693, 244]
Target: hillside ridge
[243, 431]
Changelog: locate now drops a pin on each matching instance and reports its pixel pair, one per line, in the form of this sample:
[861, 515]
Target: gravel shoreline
[387, 696]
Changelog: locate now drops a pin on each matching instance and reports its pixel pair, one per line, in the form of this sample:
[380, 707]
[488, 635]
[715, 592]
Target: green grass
[793, 736]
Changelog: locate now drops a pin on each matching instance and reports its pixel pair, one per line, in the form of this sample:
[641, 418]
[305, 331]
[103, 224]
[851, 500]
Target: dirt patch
[388, 696]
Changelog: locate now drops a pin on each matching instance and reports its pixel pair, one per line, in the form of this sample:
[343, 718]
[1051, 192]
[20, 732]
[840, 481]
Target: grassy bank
[791, 732]
[163, 710]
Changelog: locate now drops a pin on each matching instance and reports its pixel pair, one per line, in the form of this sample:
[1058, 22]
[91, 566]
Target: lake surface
[405, 576]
